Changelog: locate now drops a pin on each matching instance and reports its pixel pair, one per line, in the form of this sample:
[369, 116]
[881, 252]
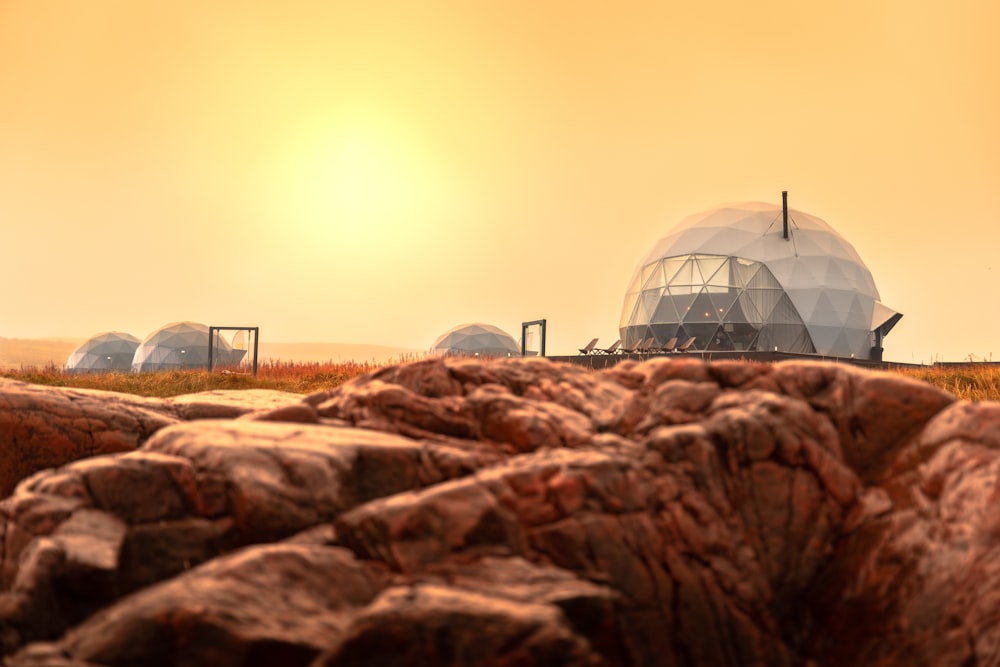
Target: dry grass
[300, 378]
[974, 382]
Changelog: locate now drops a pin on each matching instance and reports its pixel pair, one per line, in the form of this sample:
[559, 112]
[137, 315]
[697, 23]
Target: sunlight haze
[377, 173]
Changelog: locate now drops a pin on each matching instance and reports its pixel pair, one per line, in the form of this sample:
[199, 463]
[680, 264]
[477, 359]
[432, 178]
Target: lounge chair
[646, 345]
[631, 349]
[670, 345]
[613, 348]
[686, 346]
[589, 347]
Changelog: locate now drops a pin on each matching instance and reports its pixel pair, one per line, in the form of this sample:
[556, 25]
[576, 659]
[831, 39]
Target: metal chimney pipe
[784, 213]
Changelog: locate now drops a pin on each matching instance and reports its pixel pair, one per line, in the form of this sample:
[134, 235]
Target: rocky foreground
[524, 512]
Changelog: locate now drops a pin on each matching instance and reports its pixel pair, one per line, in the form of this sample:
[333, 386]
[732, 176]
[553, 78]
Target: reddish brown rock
[45, 427]
[197, 490]
[425, 624]
[525, 512]
[266, 605]
[229, 403]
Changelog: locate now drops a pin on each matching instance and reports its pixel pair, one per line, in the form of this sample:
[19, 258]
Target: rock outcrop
[41, 427]
[669, 512]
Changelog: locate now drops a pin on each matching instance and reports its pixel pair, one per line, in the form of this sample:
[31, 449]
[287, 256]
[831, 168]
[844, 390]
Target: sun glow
[362, 177]
[360, 181]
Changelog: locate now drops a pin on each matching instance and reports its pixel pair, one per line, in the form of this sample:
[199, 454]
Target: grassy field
[975, 382]
[300, 378]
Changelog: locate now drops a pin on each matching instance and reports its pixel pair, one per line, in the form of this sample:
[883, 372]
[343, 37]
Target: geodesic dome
[729, 278]
[477, 339]
[181, 345]
[109, 351]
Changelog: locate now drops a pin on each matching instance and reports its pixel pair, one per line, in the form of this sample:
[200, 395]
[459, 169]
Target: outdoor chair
[687, 345]
[670, 345]
[613, 348]
[631, 349]
[589, 347]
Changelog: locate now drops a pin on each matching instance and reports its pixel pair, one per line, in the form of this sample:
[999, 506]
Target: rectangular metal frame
[524, 336]
[213, 331]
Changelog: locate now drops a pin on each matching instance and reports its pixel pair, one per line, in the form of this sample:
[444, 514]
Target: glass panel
[762, 301]
[702, 310]
[742, 335]
[723, 279]
[723, 301]
[648, 270]
[749, 309]
[663, 332]
[762, 278]
[697, 277]
[765, 341]
[786, 338]
[738, 310]
[709, 265]
[672, 265]
[704, 333]
[631, 336]
[647, 305]
[784, 312]
[628, 310]
[685, 275]
[682, 298]
[665, 311]
[636, 283]
[637, 317]
[654, 277]
[684, 289]
[743, 270]
[722, 341]
[795, 338]
[804, 343]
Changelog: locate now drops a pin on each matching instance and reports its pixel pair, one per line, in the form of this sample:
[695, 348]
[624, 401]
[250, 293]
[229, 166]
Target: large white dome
[729, 278]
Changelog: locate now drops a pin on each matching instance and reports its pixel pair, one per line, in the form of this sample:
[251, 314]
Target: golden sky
[379, 172]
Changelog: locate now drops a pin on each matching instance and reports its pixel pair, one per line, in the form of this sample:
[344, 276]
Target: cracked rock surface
[522, 512]
[44, 427]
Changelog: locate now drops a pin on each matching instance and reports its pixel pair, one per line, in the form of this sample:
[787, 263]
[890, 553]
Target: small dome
[181, 345]
[109, 351]
[476, 340]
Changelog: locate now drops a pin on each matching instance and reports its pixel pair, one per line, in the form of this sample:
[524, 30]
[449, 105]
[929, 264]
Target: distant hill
[24, 353]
